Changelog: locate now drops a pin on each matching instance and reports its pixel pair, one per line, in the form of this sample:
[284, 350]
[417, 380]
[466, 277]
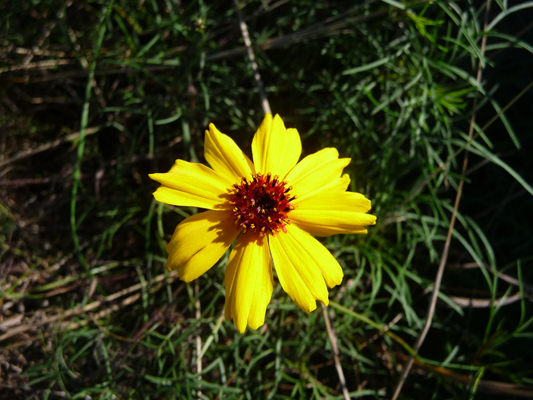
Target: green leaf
[366, 67]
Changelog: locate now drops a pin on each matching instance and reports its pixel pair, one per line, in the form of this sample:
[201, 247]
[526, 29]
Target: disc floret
[261, 204]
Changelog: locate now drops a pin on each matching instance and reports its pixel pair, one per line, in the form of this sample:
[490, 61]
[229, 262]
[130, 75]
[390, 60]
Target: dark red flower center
[261, 204]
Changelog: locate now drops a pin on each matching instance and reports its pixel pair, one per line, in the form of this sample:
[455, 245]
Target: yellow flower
[275, 204]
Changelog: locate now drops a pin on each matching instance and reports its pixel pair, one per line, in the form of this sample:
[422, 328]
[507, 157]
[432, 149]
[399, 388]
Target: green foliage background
[128, 87]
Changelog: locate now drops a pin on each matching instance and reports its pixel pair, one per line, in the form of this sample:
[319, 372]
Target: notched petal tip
[241, 326]
[308, 308]
[275, 149]
[190, 184]
[318, 172]
[304, 266]
[225, 157]
[198, 243]
[248, 282]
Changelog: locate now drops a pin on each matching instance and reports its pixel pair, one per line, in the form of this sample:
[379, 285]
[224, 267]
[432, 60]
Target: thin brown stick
[444, 257]
[269, 44]
[244, 29]
[39, 52]
[504, 277]
[46, 64]
[335, 351]
[24, 342]
[465, 302]
[91, 306]
[382, 331]
[492, 387]
[198, 337]
[47, 30]
[30, 152]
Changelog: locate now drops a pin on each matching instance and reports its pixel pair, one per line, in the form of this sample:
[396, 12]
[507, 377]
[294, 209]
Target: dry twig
[158, 281]
[251, 56]
[444, 257]
[335, 351]
[47, 146]
[485, 386]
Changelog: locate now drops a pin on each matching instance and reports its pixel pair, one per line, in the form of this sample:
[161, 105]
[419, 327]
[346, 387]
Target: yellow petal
[225, 157]
[334, 186]
[329, 213]
[248, 282]
[275, 149]
[191, 184]
[316, 171]
[199, 241]
[304, 267]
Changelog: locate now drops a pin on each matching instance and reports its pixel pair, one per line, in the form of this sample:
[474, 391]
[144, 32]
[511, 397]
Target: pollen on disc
[261, 204]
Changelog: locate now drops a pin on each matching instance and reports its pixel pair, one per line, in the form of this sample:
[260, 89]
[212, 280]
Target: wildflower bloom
[272, 207]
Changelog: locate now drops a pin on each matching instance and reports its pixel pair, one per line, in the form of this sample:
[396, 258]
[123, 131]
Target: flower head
[272, 207]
